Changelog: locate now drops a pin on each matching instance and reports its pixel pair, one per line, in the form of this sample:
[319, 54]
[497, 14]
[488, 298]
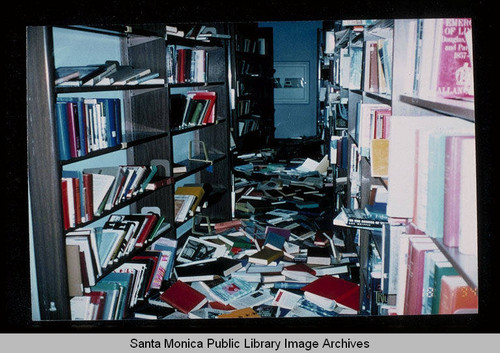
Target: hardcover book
[455, 75]
[456, 295]
[342, 292]
[183, 297]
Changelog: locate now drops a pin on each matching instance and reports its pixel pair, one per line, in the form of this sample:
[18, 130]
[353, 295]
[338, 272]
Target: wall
[296, 41]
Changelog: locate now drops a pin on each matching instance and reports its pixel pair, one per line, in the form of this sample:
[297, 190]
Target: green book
[441, 269]
[196, 113]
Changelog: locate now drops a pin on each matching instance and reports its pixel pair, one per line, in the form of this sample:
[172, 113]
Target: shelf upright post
[44, 175]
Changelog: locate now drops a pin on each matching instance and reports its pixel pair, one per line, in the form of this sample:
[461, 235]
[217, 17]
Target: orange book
[244, 313]
[456, 296]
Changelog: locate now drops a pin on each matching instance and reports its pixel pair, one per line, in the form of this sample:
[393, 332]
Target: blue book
[62, 131]
[274, 241]
[118, 120]
[112, 290]
[124, 280]
[435, 186]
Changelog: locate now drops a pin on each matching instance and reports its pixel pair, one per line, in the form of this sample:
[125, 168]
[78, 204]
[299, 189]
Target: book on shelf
[182, 205]
[183, 297]
[74, 269]
[88, 257]
[415, 273]
[138, 271]
[168, 248]
[363, 217]
[444, 58]
[442, 267]
[457, 296]
[379, 158]
[196, 190]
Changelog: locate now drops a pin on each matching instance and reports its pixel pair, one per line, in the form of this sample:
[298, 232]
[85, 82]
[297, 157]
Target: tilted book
[183, 297]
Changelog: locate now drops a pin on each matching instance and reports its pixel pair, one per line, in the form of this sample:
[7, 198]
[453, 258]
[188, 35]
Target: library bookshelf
[147, 137]
[411, 106]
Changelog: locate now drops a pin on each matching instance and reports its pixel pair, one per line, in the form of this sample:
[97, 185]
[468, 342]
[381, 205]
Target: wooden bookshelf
[252, 84]
[147, 135]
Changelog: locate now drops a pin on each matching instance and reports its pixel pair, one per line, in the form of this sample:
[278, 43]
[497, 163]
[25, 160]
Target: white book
[285, 299]
[467, 237]
[101, 184]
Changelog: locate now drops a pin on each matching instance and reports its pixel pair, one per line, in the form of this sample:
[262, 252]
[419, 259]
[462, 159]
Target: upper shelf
[459, 108]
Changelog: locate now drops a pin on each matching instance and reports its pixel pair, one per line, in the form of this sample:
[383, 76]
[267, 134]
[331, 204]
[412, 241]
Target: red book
[72, 129]
[373, 62]
[181, 65]
[457, 296]
[151, 220]
[453, 160]
[64, 192]
[415, 274]
[183, 297]
[455, 74]
[77, 201]
[300, 267]
[210, 113]
[222, 226]
[89, 200]
[343, 292]
[97, 298]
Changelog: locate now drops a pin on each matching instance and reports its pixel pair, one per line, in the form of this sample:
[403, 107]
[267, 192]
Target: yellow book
[197, 191]
[379, 158]
[240, 313]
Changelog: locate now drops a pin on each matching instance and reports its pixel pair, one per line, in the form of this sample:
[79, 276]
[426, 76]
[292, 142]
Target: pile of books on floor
[241, 269]
[246, 268]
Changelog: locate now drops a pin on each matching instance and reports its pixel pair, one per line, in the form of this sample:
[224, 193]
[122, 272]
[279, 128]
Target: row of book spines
[249, 45]
[85, 195]
[87, 125]
[378, 66]
[185, 65]
[339, 150]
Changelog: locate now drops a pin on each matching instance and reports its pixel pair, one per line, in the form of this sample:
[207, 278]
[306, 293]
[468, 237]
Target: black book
[177, 106]
[221, 267]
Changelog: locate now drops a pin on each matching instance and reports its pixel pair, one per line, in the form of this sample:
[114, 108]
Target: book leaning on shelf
[363, 217]
[92, 191]
[109, 73]
[90, 251]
